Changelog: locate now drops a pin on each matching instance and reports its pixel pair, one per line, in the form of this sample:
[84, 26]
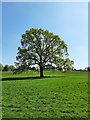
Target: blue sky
[68, 20]
[45, 0]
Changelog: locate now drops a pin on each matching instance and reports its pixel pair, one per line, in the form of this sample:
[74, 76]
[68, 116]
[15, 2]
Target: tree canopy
[11, 68]
[6, 68]
[40, 47]
[68, 64]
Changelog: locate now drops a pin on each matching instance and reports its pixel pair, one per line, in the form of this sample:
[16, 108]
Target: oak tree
[40, 47]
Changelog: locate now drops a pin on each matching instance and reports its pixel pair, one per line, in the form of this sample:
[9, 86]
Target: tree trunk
[41, 71]
[41, 67]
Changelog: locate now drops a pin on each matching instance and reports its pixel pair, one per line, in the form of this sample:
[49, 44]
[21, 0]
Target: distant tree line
[87, 69]
[12, 68]
[7, 67]
[67, 67]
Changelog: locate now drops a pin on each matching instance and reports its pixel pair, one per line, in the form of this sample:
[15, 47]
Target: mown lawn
[59, 95]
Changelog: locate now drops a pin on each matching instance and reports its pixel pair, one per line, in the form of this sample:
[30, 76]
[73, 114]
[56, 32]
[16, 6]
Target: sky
[67, 19]
[45, 0]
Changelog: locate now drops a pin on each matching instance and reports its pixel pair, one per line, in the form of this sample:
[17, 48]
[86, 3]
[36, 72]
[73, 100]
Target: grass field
[58, 95]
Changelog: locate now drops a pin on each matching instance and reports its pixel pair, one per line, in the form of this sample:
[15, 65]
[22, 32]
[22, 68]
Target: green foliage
[11, 68]
[61, 95]
[68, 64]
[40, 47]
[6, 68]
[1, 67]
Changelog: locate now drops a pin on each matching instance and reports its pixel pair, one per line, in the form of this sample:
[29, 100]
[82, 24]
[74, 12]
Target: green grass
[60, 95]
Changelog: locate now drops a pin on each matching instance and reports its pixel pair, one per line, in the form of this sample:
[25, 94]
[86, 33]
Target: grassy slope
[64, 95]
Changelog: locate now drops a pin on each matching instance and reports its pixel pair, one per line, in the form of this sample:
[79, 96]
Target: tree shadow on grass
[29, 78]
